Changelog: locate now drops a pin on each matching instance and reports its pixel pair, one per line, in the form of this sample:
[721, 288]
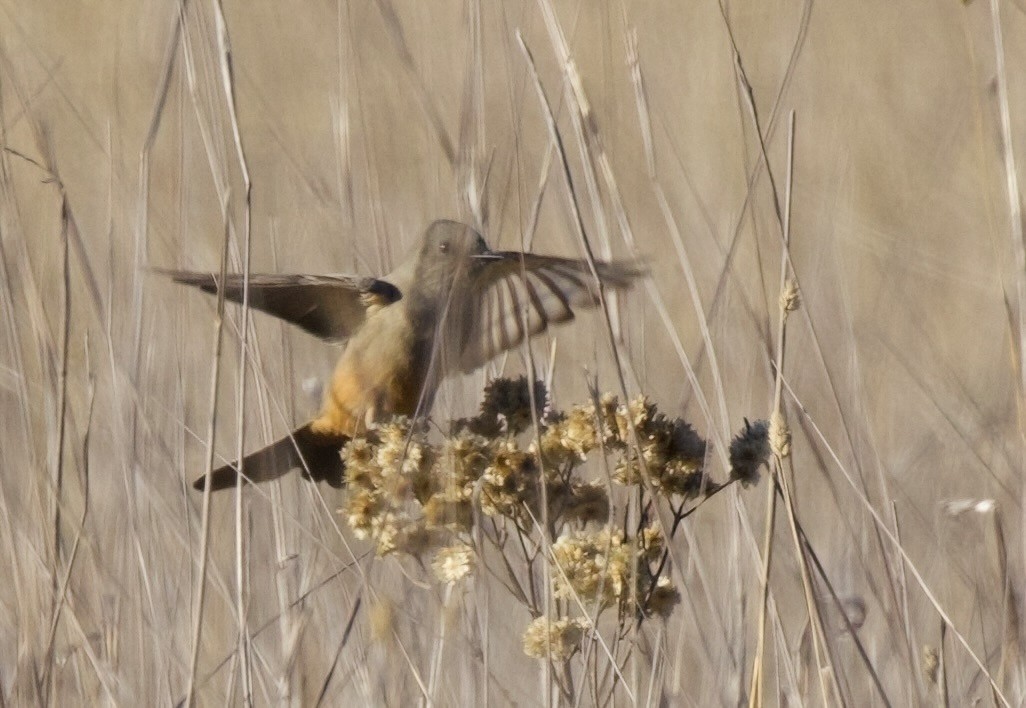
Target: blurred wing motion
[331, 307]
[521, 294]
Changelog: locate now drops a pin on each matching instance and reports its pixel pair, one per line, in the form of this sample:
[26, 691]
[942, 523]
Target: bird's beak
[488, 256]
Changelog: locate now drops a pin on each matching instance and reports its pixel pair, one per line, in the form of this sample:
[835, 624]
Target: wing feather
[331, 307]
[519, 295]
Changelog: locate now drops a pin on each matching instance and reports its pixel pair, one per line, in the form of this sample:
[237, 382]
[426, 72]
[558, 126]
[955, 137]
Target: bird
[447, 309]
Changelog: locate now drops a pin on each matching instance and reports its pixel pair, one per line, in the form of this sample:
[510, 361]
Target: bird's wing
[521, 294]
[331, 307]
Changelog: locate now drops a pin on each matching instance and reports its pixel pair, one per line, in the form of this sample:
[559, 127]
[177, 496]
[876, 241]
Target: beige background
[905, 354]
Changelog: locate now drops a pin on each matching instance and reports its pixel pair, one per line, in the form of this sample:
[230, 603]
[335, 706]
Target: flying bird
[451, 306]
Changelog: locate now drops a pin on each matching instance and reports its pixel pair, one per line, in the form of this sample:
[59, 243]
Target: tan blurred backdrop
[905, 354]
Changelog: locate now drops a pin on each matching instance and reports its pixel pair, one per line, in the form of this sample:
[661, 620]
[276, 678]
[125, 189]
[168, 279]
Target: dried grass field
[862, 156]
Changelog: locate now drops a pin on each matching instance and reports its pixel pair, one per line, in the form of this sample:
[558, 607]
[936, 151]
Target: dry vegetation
[837, 177]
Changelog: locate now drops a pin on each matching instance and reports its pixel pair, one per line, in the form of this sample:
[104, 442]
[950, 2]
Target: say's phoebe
[449, 308]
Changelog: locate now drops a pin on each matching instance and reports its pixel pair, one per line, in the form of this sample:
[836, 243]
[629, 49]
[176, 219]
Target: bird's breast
[382, 372]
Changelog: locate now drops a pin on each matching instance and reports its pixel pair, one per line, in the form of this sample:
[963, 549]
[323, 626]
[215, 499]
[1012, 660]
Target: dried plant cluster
[576, 489]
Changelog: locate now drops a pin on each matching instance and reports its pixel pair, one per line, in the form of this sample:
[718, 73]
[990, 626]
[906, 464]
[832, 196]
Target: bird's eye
[443, 247]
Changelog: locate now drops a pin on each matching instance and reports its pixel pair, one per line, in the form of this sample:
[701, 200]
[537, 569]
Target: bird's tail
[316, 454]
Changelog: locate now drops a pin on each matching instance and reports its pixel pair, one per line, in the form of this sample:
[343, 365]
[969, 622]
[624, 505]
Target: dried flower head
[651, 543]
[464, 458]
[779, 436]
[385, 531]
[790, 297]
[509, 483]
[361, 510]
[361, 467]
[510, 406]
[615, 421]
[392, 459]
[402, 450]
[671, 452]
[552, 445]
[749, 450]
[513, 403]
[453, 563]
[593, 565]
[389, 472]
[578, 433]
[409, 496]
[663, 598]
[559, 639]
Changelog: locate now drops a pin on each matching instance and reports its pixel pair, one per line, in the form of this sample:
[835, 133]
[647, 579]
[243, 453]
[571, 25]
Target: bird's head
[451, 252]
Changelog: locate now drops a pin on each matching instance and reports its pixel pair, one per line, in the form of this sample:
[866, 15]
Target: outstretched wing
[331, 307]
[519, 295]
